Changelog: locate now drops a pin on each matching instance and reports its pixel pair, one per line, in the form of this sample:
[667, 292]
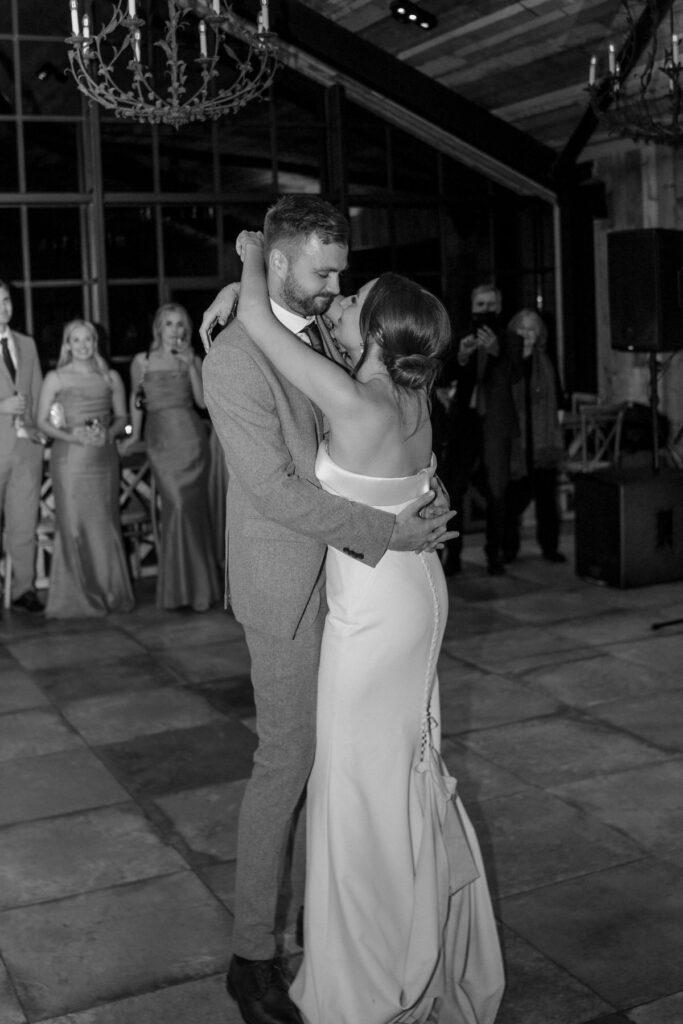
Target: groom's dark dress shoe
[259, 987]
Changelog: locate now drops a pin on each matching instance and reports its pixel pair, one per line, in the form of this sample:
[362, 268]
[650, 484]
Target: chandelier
[231, 64]
[642, 101]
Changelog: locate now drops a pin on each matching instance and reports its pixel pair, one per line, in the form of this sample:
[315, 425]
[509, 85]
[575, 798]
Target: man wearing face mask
[482, 421]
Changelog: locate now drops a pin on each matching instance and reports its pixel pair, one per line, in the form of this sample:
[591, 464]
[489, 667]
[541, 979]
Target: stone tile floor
[124, 746]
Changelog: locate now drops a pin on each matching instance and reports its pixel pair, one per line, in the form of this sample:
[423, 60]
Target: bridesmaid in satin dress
[82, 406]
[170, 376]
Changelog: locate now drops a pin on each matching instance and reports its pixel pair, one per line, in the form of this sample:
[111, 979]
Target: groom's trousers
[284, 675]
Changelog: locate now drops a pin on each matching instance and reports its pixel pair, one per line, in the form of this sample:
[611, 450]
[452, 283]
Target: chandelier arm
[193, 92]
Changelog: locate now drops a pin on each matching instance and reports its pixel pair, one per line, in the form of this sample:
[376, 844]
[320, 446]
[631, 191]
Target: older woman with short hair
[537, 453]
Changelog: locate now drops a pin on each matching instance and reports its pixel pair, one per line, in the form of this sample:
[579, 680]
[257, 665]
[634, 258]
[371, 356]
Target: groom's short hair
[294, 218]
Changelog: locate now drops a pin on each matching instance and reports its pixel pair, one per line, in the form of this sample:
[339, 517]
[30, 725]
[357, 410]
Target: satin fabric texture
[398, 923]
[178, 451]
[89, 572]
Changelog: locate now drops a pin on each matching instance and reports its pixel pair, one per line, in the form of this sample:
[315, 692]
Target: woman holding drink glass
[166, 388]
[82, 406]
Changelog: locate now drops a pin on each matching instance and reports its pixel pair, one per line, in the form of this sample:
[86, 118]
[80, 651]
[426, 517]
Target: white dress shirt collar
[293, 321]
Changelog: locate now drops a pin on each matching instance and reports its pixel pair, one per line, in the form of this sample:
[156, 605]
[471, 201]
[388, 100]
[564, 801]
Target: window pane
[53, 156]
[126, 156]
[49, 88]
[52, 308]
[245, 151]
[5, 17]
[55, 243]
[365, 145]
[10, 245]
[186, 158]
[190, 245]
[7, 97]
[131, 312]
[48, 19]
[413, 165]
[130, 241]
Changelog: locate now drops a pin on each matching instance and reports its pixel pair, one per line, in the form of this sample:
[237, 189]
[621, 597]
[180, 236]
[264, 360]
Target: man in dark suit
[21, 457]
[482, 421]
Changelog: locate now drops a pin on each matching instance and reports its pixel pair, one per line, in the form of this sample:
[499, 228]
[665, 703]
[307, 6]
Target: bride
[398, 924]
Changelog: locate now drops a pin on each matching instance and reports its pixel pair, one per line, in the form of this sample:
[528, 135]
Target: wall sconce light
[410, 14]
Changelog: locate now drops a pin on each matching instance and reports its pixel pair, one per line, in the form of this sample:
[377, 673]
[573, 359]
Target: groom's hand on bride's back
[422, 525]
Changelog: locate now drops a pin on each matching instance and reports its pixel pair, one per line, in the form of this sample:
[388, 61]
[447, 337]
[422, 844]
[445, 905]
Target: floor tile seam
[128, 883]
[120, 806]
[584, 811]
[550, 786]
[168, 983]
[678, 756]
[653, 637]
[662, 748]
[547, 958]
[651, 1002]
[571, 876]
[596, 873]
[70, 895]
[578, 715]
[648, 852]
[566, 711]
[608, 701]
[476, 730]
[170, 835]
[14, 991]
[121, 695]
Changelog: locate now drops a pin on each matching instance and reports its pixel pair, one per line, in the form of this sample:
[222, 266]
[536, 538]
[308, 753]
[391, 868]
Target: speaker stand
[654, 404]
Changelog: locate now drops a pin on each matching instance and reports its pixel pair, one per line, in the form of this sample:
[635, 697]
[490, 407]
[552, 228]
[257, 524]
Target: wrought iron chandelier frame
[108, 67]
[634, 112]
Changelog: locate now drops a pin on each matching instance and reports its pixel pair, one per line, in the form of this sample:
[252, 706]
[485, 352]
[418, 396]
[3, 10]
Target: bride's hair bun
[411, 328]
[414, 372]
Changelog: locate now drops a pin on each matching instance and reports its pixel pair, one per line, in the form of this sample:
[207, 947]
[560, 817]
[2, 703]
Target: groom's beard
[296, 299]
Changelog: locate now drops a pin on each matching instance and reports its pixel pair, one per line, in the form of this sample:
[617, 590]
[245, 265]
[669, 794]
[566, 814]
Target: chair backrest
[601, 427]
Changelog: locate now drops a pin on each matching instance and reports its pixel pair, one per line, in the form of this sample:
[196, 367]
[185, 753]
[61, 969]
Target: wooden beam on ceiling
[394, 90]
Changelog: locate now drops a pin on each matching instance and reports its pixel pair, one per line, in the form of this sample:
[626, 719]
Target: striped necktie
[7, 357]
[312, 332]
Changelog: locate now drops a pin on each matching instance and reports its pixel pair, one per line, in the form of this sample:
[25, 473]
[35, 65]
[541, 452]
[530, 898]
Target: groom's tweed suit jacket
[279, 521]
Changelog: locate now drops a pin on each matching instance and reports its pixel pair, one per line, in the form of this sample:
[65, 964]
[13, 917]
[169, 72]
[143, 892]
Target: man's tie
[7, 356]
[312, 332]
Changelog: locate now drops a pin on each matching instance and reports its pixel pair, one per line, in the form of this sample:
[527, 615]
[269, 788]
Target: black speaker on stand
[629, 525]
[646, 300]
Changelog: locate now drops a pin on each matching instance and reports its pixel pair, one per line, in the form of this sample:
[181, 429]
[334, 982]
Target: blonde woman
[82, 406]
[166, 390]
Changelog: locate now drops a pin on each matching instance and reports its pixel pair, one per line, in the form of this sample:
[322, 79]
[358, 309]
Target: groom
[278, 525]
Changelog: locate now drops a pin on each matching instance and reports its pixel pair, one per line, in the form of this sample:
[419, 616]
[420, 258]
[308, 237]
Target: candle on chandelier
[75, 27]
[674, 48]
[86, 27]
[612, 59]
[216, 6]
[265, 17]
[203, 50]
[137, 36]
[132, 13]
[592, 70]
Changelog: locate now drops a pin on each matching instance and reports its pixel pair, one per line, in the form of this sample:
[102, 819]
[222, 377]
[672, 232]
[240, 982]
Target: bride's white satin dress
[398, 923]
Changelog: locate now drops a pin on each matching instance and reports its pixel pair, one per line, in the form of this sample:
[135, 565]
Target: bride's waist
[388, 493]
